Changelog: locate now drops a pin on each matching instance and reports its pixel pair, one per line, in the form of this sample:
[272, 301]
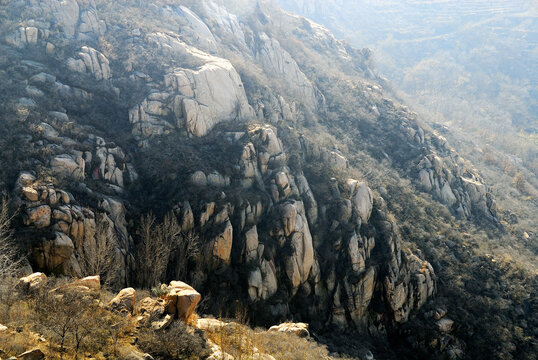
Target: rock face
[214, 93]
[457, 185]
[197, 99]
[71, 227]
[278, 62]
[91, 61]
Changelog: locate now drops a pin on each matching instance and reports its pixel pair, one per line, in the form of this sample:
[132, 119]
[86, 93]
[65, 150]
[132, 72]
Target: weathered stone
[163, 323]
[181, 300]
[212, 93]
[447, 195]
[222, 244]
[198, 179]
[356, 254]
[282, 182]
[289, 218]
[251, 244]
[39, 216]
[362, 199]
[299, 329]
[187, 220]
[124, 301]
[212, 325]
[58, 252]
[35, 354]
[362, 293]
[32, 282]
[91, 282]
[30, 193]
[255, 285]
[91, 61]
[445, 325]
[299, 263]
[66, 166]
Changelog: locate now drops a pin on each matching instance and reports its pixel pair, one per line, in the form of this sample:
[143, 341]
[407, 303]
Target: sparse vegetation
[176, 342]
[486, 274]
[9, 263]
[98, 255]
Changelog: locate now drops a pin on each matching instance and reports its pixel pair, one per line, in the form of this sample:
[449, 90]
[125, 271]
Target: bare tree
[156, 242]
[187, 248]
[98, 256]
[74, 320]
[61, 316]
[9, 264]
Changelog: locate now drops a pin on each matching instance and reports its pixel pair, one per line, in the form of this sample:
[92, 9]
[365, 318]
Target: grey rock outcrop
[278, 62]
[91, 61]
[197, 99]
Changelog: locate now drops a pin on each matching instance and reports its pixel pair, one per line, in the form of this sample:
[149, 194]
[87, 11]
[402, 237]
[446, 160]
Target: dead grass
[244, 343]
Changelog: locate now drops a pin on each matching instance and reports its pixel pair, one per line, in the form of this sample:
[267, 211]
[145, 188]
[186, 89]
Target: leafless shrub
[187, 248]
[98, 256]
[177, 342]
[9, 263]
[156, 242]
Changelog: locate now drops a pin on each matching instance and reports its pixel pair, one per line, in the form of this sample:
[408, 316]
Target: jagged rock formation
[273, 232]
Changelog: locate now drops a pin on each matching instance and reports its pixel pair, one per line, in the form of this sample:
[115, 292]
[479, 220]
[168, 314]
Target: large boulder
[57, 255]
[68, 166]
[90, 61]
[181, 300]
[212, 93]
[38, 216]
[124, 301]
[91, 282]
[35, 354]
[362, 199]
[32, 282]
[299, 329]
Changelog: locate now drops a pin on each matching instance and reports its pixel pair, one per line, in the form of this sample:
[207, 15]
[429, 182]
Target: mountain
[248, 152]
[466, 67]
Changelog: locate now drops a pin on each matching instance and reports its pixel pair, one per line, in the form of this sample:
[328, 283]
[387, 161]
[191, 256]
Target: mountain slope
[281, 175]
